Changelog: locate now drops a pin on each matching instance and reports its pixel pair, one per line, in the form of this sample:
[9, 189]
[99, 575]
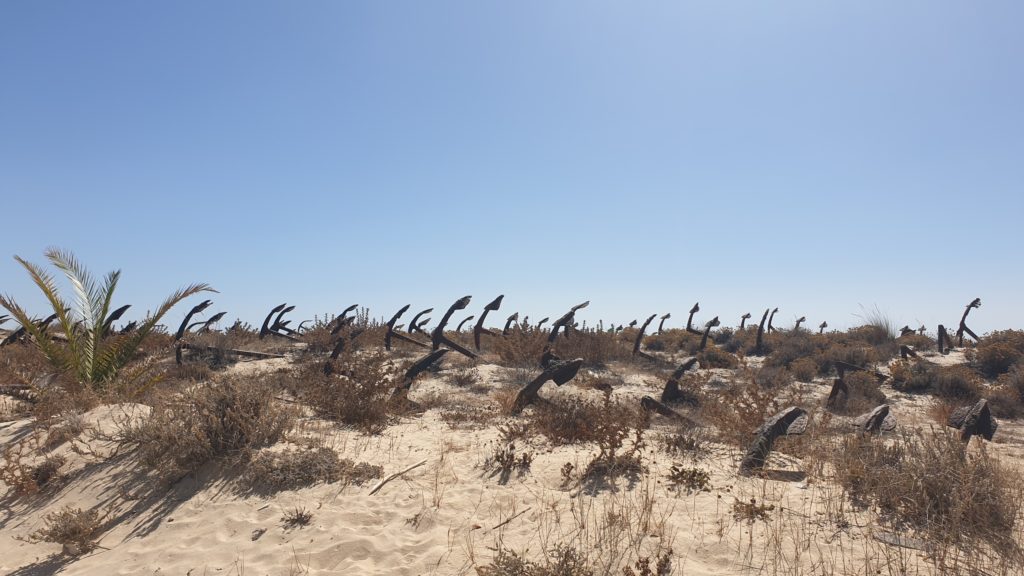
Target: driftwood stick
[396, 475]
[512, 517]
[248, 353]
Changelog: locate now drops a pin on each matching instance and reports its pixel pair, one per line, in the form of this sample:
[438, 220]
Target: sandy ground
[449, 515]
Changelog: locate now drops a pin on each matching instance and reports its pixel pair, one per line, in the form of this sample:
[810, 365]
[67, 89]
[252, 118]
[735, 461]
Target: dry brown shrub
[74, 528]
[224, 419]
[21, 363]
[739, 409]
[191, 372]
[563, 560]
[572, 419]
[773, 377]
[298, 468]
[952, 382]
[355, 394]
[1007, 397]
[962, 500]
[918, 342]
[715, 357]
[596, 348]
[462, 377]
[864, 394]
[804, 369]
[999, 351]
[788, 347]
[521, 348]
[737, 341]
[24, 472]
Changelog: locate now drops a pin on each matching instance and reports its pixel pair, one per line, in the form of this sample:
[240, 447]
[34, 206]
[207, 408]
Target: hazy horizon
[817, 158]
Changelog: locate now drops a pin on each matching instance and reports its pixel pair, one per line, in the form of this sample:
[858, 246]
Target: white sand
[440, 518]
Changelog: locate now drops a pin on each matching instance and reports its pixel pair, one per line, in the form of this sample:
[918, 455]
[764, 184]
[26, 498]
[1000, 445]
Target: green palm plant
[88, 353]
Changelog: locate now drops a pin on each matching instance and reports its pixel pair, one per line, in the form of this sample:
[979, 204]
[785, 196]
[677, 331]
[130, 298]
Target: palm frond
[55, 354]
[96, 334]
[122, 348]
[88, 302]
[49, 289]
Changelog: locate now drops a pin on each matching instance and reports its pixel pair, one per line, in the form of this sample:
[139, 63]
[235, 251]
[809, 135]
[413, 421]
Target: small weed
[690, 479]
[751, 511]
[297, 517]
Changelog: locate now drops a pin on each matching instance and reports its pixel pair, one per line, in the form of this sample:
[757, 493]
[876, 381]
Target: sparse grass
[562, 560]
[691, 443]
[961, 499]
[462, 377]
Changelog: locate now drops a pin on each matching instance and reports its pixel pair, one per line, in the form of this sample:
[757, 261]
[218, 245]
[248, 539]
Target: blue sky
[814, 156]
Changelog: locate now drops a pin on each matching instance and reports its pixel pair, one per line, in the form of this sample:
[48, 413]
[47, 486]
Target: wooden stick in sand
[395, 475]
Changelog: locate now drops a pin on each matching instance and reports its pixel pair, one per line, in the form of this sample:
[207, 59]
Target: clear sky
[814, 156]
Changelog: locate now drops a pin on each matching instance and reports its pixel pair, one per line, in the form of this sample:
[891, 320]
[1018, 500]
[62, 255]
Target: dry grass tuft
[297, 517]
